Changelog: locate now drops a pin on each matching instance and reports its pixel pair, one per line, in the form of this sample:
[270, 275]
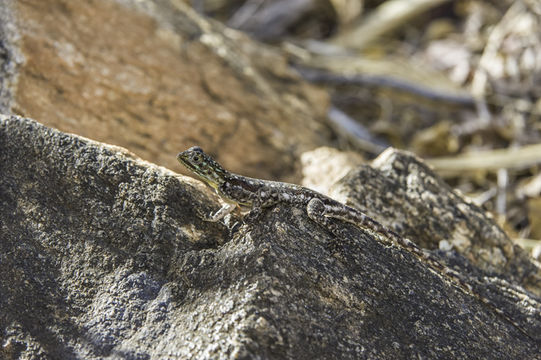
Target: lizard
[243, 191]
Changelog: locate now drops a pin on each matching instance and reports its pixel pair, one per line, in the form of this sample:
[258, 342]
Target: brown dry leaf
[436, 140]
[534, 216]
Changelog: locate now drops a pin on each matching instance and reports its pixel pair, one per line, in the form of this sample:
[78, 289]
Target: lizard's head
[203, 165]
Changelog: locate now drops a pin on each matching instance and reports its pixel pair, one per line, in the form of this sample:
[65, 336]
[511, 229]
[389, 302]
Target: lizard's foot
[225, 210]
[235, 227]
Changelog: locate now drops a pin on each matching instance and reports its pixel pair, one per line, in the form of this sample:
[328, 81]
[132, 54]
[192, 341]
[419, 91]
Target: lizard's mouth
[181, 157]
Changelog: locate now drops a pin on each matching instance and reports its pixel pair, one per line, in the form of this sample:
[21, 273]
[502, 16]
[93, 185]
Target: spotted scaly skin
[244, 191]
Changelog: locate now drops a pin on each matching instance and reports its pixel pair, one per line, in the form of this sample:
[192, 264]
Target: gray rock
[10, 55]
[102, 255]
[403, 193]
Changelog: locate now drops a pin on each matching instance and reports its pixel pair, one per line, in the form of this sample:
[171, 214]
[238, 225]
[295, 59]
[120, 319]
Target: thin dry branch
[387, 17]
[492, 160]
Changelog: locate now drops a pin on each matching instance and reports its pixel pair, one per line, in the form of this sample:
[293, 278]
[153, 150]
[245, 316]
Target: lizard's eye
[196, 158]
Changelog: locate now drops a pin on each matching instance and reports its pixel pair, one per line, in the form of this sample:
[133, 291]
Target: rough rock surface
[153, 76]
[403, 193]
[102, 255]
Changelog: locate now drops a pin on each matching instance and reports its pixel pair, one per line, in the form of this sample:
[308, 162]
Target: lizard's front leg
[225, 210]
[241, 195]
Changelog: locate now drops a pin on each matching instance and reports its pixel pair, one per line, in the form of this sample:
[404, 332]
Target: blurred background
[455, 82]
